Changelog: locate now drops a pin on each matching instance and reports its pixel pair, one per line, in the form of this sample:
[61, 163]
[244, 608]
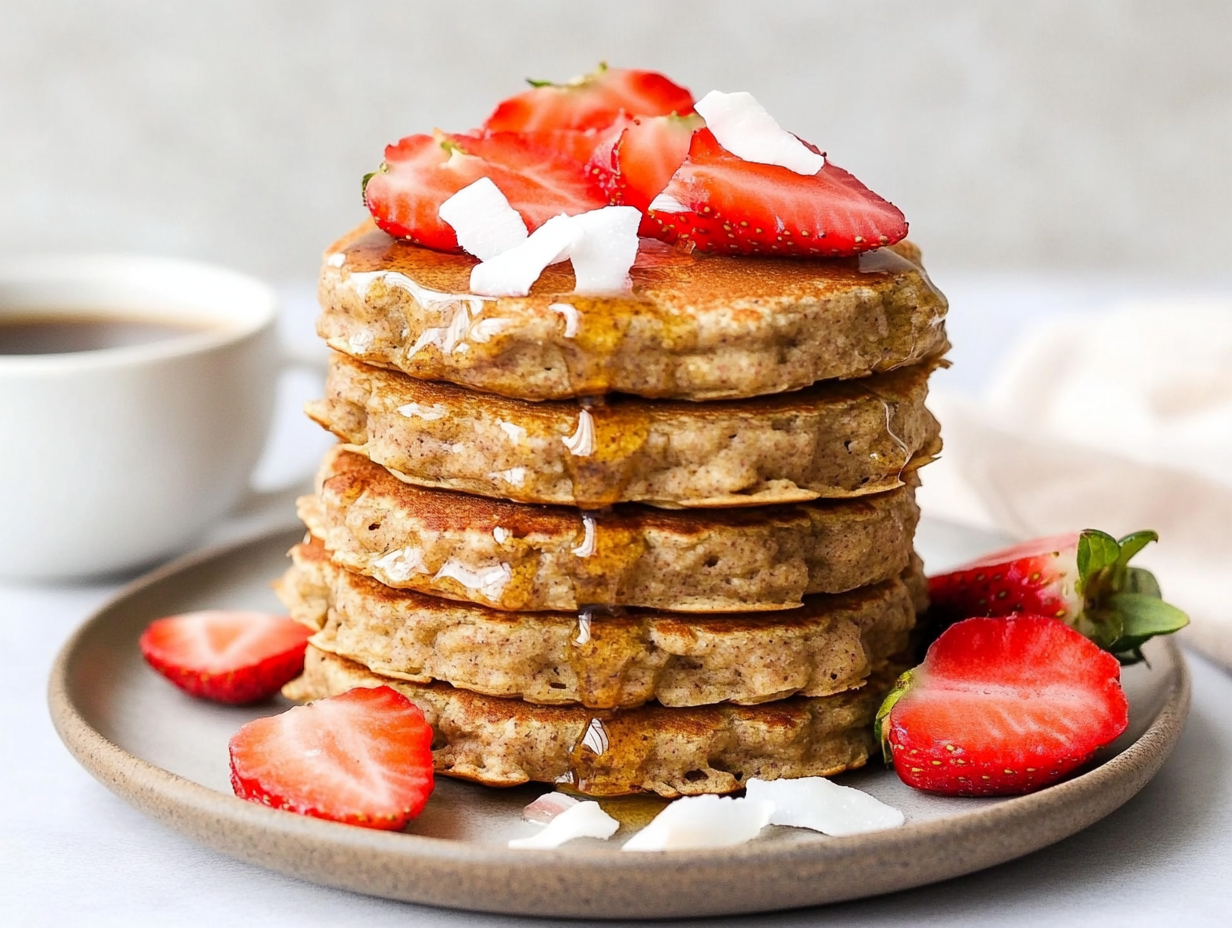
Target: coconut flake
[606, 250]
[584, 820]
[512, 272]
[427, 413]
[398, 565]
[666, 203]
[743, 127]
[514, 432]
[819, 804]
[701, 822]
[485, 223]
[515, 476]
[548, 806]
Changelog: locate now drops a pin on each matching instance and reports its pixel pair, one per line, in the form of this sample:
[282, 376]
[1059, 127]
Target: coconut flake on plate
[548, 806]
[512, 272]
[822, 805]
[484, 222]
[703, 821]
[581, 820]
[743, 127]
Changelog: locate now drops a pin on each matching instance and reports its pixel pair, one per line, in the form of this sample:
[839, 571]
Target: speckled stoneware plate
[167, 754]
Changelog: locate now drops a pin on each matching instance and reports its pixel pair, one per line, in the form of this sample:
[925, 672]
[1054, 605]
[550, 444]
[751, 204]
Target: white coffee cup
[116, 457]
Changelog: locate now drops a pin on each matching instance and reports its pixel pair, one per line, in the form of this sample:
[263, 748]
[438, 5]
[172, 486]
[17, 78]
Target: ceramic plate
[167, 754]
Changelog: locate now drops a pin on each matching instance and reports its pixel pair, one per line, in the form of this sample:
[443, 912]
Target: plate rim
[497, 879]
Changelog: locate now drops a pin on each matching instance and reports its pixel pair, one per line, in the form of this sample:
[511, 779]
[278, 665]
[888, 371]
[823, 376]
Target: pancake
[830, 441]
[513, 556]
[694, 326]
[672, 752]
[596, 658]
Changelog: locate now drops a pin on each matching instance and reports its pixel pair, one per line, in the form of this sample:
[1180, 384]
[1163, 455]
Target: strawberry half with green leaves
[228, 656]
[590, 102]
[1082, 578]
[405, 193]
[1002, 705]
[362, 758]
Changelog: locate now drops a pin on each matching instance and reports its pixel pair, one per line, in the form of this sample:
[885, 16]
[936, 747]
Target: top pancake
[694, 326]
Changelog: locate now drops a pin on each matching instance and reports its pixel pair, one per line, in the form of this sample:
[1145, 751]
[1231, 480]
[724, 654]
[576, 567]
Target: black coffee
[63, 333]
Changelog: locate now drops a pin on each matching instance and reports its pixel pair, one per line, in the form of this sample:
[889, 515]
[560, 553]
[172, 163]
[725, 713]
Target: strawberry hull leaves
[1083, 578]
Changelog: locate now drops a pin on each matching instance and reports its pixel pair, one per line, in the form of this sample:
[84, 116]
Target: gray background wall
[1059, 135]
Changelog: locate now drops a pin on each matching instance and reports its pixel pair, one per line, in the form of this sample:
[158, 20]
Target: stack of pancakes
[658, 541]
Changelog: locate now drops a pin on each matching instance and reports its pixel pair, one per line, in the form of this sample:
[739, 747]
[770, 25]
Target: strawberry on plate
[590, 102]
[363, 758]
[1002, 705]
[1082, 578]
[228, 656]
[421, 172]
[724, 204]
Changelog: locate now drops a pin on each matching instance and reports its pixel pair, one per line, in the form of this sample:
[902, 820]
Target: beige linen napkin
[1119, 422]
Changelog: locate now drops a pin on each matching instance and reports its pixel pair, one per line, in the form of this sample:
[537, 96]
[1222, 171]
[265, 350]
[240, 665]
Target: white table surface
[72, 853]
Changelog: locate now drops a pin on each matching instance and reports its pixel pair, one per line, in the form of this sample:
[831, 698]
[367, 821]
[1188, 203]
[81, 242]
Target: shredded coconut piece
[605, 250]
[427, 413]
[666, 203]
[743, 127]
[548, 806]
[337, 259]
[701, 822]
[512, 272]
[516, 433]
[485, 223]
[515, 476]
[399, 564]
[584, 820]
[819, 804]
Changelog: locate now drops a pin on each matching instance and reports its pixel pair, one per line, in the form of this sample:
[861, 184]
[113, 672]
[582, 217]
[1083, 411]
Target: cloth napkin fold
[1121, 421]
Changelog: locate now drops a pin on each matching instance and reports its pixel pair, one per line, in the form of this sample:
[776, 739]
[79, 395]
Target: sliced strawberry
[582, 146]
[422, 171]
[363, 758]
[1082, 578]
[590, 102]
[725, 204]
[228, 656]
[1002, 705]
[646, 156]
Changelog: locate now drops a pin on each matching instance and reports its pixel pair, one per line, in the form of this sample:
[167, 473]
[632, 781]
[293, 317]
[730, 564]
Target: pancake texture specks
[694, 326]
[672, 752]
[833, 440]
[596, 658]
[512, 556]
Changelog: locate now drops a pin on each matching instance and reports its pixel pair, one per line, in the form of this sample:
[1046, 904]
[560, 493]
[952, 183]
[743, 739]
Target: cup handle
[274, 507]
